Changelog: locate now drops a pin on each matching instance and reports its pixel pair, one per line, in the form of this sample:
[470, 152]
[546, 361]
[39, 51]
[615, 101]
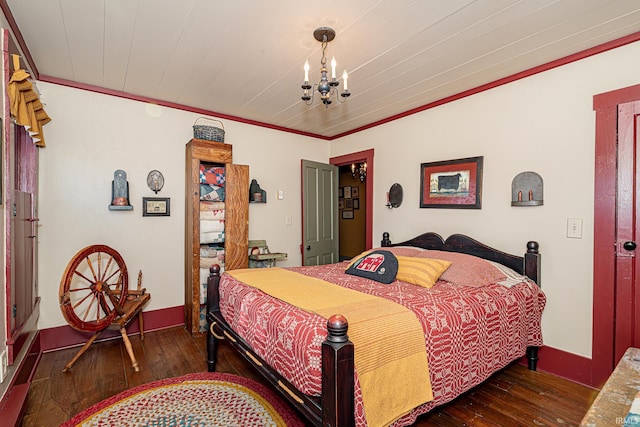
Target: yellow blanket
[390, 355]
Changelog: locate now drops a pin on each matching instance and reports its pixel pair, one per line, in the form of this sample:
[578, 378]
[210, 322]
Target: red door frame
[604, 236]
[362, 156]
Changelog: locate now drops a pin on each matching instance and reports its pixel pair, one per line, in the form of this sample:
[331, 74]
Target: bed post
[532, 270]
[532, 262]
[213, 305]
[337, 375]
[532, 358]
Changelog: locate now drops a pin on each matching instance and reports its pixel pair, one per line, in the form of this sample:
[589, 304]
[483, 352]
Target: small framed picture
[347, 214]
[355, 192]
[340, 195]
[347, 192]
[348, 204]
[340, 203]
[356, 204]
[156, 206]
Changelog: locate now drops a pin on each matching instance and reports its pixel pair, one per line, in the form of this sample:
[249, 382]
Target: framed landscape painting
[453, 184]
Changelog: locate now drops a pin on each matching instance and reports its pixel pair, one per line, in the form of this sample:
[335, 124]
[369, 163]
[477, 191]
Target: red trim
[174, 105]
[360, 156]
[65, 336]
[563, 364]
[622, 41]
[7, 190]
[14, 402]
[14, 405]
[615, 97]
[521, 75]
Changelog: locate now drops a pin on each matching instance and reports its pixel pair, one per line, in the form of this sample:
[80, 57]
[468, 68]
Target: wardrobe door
[237, 217]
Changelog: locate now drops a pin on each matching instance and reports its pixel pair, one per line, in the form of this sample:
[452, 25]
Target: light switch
[280, 194]
[287, 220]
[574, 228]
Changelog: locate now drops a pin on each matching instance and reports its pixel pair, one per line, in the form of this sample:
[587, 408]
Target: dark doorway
[355, 202]
[352, 197]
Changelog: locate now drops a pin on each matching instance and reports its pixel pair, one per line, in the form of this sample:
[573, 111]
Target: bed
[497, 307]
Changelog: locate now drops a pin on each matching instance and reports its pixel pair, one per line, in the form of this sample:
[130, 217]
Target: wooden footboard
[336, 405]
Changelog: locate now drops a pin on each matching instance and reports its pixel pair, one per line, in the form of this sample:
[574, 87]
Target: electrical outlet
[574, 228]
[280, 194]
[3, 365]
[288, 220]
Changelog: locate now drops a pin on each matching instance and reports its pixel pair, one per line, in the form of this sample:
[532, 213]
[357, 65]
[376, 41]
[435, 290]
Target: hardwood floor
[514, 396]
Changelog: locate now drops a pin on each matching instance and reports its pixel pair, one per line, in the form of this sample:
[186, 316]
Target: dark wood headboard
[529, 264]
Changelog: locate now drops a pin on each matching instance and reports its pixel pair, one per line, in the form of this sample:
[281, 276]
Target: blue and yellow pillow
[378, 265]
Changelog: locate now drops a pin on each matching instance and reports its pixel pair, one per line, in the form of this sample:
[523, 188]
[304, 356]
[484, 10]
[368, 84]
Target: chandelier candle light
[359, 171]
[324, 86]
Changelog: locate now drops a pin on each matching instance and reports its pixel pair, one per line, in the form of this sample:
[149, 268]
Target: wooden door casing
[604, 250]
[367, 156]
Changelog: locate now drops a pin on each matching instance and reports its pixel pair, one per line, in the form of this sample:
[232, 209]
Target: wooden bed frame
[336, 405]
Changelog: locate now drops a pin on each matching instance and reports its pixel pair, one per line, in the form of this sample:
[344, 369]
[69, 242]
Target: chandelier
[327, 88]
[359, 171]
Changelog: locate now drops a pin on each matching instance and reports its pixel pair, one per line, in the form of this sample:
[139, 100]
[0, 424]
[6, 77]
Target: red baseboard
[13, 404]
[65, 336]
[563, 364]
[557, 362]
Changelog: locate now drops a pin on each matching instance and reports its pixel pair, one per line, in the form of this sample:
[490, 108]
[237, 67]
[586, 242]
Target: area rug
[204, 399]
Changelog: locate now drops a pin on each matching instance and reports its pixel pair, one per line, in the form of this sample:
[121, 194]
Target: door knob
[630, 246]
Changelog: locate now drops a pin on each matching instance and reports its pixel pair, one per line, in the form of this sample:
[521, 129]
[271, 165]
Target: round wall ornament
[155, 181]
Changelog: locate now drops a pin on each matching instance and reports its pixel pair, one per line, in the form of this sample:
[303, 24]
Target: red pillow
[466, 270]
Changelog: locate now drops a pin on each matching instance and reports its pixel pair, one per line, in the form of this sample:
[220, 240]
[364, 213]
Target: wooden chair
[261, 257]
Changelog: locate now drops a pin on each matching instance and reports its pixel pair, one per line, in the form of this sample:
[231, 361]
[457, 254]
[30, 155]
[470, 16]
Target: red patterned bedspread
[470, 332]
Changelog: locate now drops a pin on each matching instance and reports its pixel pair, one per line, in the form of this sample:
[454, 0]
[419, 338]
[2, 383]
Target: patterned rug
[204, 399]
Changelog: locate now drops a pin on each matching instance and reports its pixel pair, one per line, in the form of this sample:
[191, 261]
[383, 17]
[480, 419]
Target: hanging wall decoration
[453, 184]
[26, 108]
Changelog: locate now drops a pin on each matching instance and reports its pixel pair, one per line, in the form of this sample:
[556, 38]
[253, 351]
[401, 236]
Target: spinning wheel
[94, 295]
[94, 283]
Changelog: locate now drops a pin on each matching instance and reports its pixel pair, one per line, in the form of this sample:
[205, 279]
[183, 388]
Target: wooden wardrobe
[236, 221]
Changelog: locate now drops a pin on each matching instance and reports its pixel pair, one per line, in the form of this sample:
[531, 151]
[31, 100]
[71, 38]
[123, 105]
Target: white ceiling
[244, 58]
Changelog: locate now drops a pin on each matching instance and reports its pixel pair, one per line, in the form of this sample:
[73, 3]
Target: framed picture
[340, 195]
[355, 192]
[156, 206]
[347, 214]
[348, 204]
[340, 203]
[356, 204]
[453, 184]
[347, 192]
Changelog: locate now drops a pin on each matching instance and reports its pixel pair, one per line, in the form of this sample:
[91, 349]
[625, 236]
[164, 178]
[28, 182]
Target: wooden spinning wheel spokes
[93, 288]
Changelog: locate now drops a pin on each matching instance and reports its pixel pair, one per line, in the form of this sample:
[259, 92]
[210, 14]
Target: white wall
[544, 123]
[92, 135]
